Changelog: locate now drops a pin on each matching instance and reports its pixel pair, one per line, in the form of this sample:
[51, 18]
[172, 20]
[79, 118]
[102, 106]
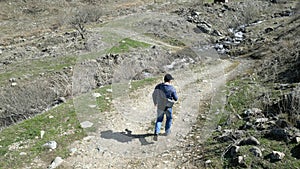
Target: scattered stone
[240, 159]
[13, 84]
[207, 162]
[88, 138]
[296, 151]
[62, 100]
[42, 134]
[204, 27]
[249, 141]
[239, 36]
[12, 80]
[296, 139]
[234, 150]
[86, 124]
[256, 151]
[51, 117]
[109, 90]
[252, 112]
[97, 95]
[278, 134]
[92, 106]
[50, 145]
[276, 155]
[73, 151]
[268, 30]
[55, 163]
[261, 120]
[225, 138]
[23, 154]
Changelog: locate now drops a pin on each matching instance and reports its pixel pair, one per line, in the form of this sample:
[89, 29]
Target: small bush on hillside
[83, 15]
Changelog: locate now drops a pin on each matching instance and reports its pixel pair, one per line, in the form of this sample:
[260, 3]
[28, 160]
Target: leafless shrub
[83, 15]
[22, 102]
[245, 13]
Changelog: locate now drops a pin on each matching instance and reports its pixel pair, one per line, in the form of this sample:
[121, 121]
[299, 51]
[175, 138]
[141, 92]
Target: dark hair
[168, 77]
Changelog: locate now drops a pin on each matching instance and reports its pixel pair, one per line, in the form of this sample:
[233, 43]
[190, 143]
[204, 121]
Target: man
[162, 92]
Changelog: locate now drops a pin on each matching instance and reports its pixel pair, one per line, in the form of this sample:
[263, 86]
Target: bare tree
[82, 16]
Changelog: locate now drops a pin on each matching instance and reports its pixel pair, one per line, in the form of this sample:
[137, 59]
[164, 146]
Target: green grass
[166, 39]
[34, 67]
[103, 101]
[64, 128]
[242, 95]
[142, 83]
[126, 44]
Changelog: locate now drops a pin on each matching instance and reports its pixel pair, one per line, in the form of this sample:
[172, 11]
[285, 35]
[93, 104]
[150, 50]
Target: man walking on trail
[162, 93]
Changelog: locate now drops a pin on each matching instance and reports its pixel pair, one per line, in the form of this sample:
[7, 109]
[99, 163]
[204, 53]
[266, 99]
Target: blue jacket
[161, 92]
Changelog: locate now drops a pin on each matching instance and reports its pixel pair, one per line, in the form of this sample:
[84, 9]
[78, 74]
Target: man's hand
[154, 108]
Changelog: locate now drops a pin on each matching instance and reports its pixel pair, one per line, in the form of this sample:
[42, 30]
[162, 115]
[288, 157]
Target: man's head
[168, 78]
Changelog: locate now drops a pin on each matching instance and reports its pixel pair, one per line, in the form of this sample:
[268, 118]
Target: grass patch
[33, 67]
[126, 44]
[137, 84]
[233, 66]
[60, 124]
[103, 102]
[166, 39]
[241, 95]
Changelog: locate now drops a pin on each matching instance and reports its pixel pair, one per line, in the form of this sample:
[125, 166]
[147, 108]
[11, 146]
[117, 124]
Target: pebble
[23, 154]
[55, 163]
[97, 95]
[86, 124]
[50, 145]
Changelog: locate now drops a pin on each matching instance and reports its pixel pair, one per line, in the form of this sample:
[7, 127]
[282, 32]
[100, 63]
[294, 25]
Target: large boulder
[249, 141]
[277, 155]
[256, 151]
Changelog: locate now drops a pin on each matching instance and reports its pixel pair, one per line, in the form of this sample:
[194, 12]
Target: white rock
[92, 106]
[12, 79]
[276, 155]
[239, 34]
[62, 99]
[109, 90]
[97, 95]
[50, 145]
[42, 134]
[256, 151]
[51, 117]
[208, 162]
[73, 150]
[13, 84]
[23, 154]
[55, 163]
[240, 159]
[261, 120]
[86, 124]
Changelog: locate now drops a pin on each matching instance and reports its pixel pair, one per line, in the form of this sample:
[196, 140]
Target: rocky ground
[203, 44]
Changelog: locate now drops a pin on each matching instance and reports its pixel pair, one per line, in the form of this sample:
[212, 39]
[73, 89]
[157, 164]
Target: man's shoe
[167, 133]
[155, 138]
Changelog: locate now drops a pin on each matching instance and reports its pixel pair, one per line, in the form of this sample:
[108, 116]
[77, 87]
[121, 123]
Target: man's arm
[174, 94]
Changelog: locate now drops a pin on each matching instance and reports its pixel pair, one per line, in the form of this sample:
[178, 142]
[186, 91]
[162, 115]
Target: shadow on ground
[126, 136]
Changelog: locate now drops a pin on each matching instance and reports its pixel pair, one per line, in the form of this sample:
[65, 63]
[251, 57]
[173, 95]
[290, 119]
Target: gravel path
[125, 138]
